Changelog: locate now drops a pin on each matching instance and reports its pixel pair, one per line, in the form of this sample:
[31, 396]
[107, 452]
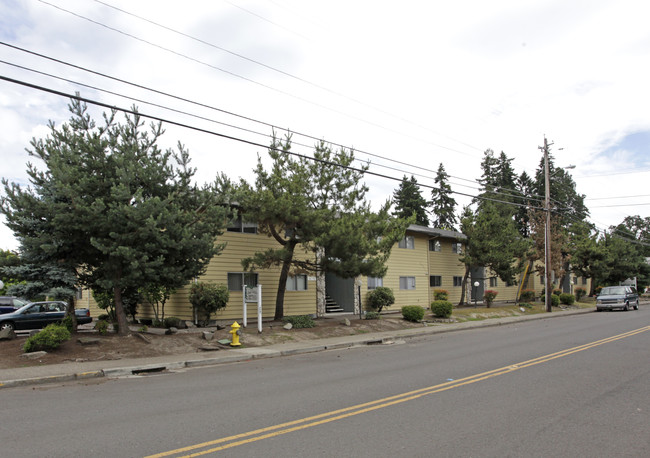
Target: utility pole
[547, 231]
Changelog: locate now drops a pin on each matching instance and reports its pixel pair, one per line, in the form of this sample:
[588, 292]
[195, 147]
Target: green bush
[300, 321]
[440, 294]
[67, 322]
[580, 293]
[171, 322]
[489, 297]
[527, 295]
[567, 299]
[557, 292]
[372, 316]
[528, 305]
[207, 298]
[379, 298]
[101, 327]
[441, 308]
[103, 317]
[413, 313]
[49, 338]
[555, 300]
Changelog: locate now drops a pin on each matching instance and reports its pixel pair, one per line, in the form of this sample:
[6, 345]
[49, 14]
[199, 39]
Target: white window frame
[435, 244]
[406, 283]
[375, 282]
[407, 242]
[457, 248]
[458, 280]
[242, 280]
[431, 277]
[297, 282]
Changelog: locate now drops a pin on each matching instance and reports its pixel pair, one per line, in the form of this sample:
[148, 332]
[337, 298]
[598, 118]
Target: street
[570, 386]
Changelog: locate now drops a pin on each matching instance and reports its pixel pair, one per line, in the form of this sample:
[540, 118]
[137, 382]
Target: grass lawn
[498, 310]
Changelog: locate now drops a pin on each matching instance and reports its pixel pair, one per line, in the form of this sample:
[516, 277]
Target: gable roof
[430, 231]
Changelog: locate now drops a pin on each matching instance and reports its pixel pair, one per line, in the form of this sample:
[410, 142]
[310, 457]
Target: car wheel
[636, 306]
[7, 325]
[599, 309]
[626, 307]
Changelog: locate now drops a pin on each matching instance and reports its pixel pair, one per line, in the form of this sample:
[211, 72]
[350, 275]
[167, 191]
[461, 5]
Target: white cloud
[421, 83]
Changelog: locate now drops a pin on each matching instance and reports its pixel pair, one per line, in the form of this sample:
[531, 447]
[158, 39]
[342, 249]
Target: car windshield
[612, 290]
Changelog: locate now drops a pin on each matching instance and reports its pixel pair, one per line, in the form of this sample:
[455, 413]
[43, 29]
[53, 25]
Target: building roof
[436, 232]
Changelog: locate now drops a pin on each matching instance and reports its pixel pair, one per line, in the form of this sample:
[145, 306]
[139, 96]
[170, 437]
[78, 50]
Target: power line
[229, 137]
[233, 74]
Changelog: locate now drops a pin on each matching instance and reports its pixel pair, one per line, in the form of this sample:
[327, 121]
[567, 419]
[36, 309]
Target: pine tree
[114, 208]
[408, 200]
[443, 205]
[317, 207]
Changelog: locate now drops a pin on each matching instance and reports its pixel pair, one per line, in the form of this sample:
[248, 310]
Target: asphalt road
[571, 386]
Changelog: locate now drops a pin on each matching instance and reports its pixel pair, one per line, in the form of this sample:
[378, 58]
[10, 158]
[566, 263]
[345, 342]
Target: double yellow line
[327, 417]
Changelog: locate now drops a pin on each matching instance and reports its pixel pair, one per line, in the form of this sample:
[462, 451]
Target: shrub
[379, 298]
[207, 298]
[103, 317]
[555, 300]
[372, 316]
[143, 328]
[441, 308]
[101, 327]
[67, 322]
[413, 313]
[580, 293]
[567, 299]
[300, 321]
[49, 338]
[440, 294]
[527, 295]
[526, 304]
[171, 322]
[557, 292]
[489, 297]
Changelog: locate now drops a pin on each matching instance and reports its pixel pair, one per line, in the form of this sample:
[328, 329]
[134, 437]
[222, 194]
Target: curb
[248, 354]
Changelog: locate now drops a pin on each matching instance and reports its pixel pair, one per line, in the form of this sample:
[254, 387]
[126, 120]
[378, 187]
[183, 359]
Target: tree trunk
[282, 283]
[70, 312]
[122, 325]
[462, 293]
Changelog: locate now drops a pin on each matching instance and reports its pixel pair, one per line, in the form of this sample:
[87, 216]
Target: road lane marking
[327, 417]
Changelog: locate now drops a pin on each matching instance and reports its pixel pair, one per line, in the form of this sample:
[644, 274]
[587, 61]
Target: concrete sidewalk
[52, 373]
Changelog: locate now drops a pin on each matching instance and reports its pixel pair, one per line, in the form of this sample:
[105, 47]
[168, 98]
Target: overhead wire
[227, 137]
[230, 113]
[236, 75]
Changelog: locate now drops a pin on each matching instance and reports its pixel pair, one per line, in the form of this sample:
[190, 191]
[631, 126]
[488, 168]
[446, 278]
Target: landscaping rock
[88, 341]
[34, 355]
[171, 330]
[7, 334]
[287, 326]
[209, 348]
[207, 335]
[347, 322]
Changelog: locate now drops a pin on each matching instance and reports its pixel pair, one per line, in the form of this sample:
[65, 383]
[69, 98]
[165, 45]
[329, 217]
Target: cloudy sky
[408, 84]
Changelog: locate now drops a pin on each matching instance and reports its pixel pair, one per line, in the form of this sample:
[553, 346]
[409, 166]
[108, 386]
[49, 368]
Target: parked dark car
[37, 315]
[9, 304]
[617, 297]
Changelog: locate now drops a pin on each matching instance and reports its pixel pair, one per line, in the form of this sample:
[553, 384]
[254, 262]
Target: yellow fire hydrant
[234, 330]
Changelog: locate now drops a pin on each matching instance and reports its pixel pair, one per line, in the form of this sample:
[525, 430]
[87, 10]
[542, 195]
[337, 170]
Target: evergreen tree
[492, 242]
[113, 208]
[317, 208]
[443, 205]
[408, 201]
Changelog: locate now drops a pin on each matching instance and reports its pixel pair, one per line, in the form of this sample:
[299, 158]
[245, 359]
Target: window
[434, 245]
[457, 248]
[79, 294]
[238, 225]
[375, 282]
[584, 280]
[435, 280]
[297, 283]
[236, 280]
[458, 281]
[493, 282]
[406, 282]
[407, 242]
